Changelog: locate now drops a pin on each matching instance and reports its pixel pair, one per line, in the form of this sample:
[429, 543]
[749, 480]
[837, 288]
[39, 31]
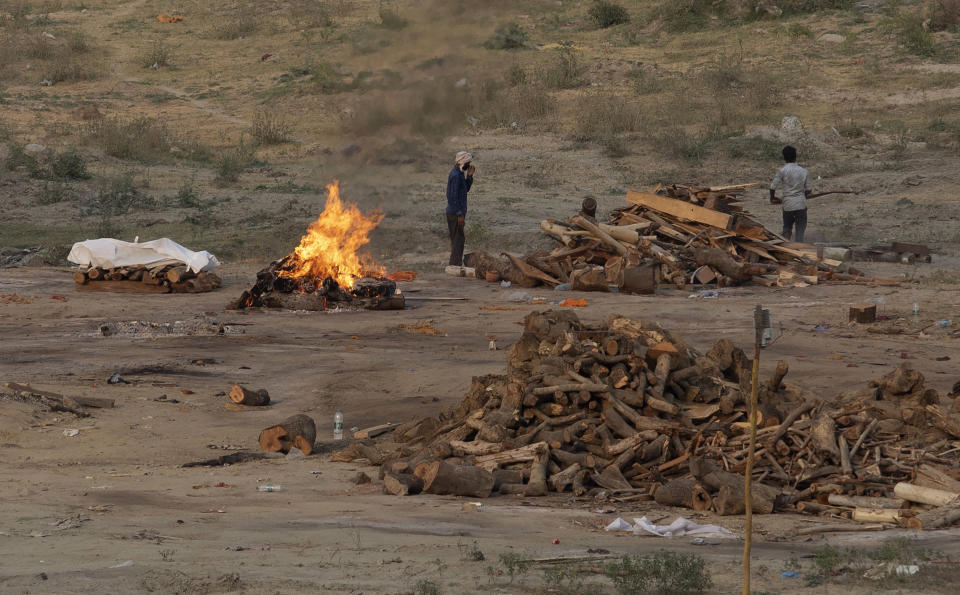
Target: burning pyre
[326, 270]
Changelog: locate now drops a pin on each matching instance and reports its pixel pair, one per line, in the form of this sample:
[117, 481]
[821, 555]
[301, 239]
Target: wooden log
[661, 372]
[559, 481]
[281, 437]
[524, 453]
[537, 484]
[776, 380]
[865, 501]
[511, 489]
[94, 274]
[877, 515]
[612, 479]
[942, 420]
[845, 463]
[785, 425]
[662, 406]
[731, 500]
[656, 449]
[442, 477]
[80, 278]
[179, 274]
[601, 235]
[727, 265]
[712, 476]
[73, 400]
[244, 396]
[923, 495]
[932, 477]
[402, 484]
[123, 287]
[506, 476]
[487, 432]
[824, 436]
[592, 387]
[475, 447]
[941, 516]
[579, 483]
[613, 449]
[615, 422]
[863, 313]
[685, 492]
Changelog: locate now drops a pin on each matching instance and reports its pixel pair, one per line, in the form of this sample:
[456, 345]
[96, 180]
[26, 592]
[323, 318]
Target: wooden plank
[681, 209]
[735, 187]
[373, 431]
[752, 247]
[918, 249]
[123, 287]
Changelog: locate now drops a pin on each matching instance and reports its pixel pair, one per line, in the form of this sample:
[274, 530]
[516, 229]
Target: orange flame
[329, 249]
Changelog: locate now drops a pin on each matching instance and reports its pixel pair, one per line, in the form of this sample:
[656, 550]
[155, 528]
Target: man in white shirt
[795, 184]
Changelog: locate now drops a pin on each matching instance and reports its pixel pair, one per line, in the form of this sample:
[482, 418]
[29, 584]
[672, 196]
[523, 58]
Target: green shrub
[800, 31]
[141, 139]
[157, 55]
[564, 73]
[116, 196]
[238, 27]
[507, 37]
[54, 192]
[664, 571]
[602, 116]
[269, 127]
[516, 75]
[912, 33]
[187, 197]
[607, 14]
[944, 15]
[390, 18]
[69, 164]
[232, 162]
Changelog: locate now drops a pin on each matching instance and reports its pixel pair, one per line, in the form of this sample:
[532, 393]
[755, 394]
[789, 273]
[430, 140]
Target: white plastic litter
[110, 253]
[678, 528]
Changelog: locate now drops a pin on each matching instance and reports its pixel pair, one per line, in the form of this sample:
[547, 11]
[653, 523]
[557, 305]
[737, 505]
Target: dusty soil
[111, 510]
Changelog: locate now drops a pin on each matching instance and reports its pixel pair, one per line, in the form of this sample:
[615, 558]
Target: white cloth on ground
[111, 253]
[678, 528]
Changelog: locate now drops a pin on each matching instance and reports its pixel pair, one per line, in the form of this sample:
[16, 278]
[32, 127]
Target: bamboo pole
[747, 495]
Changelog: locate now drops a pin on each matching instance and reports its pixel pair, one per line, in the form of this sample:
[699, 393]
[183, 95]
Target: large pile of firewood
[678, 235]
[626, 410]
[165, 278]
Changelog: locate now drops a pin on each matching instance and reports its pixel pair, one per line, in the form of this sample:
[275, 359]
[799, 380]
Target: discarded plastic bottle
[338, 425]
[944, 323]
[266, 487]
[916, 308]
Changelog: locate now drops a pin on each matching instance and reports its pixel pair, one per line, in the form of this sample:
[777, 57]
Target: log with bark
[244, 396]
[297, 431]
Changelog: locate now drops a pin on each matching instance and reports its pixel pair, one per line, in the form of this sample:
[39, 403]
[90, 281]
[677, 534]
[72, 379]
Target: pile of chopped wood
[626, 410]
[679, 235]
[166, 278]
[276, 288]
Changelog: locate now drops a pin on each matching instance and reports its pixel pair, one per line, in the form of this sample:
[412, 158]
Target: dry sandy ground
[111, 511]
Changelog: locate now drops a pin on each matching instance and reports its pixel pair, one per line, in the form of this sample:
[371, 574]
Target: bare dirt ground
[111, 510]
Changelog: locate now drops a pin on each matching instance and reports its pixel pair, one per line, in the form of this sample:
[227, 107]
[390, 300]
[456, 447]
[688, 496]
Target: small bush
[912, 33]
[607, 14]
[800, 31]
[507, 37]
[603, 116]
[237, 27]
[77, 42]
[142, 139]
[157, 55]
[516, 75]
[945, 15]
[187, 196]
[54, 192]
[232, 162]
[69, 164]
[566, 72]
[664, 571]
[390, 18]
[426, 587]
[116, 196]
[269, 128]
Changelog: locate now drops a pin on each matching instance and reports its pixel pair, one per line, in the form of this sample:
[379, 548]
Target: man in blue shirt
[458, 184]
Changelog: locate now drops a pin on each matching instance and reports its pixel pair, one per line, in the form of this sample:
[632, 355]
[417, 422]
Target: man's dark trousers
[791, 219]
[456, 240]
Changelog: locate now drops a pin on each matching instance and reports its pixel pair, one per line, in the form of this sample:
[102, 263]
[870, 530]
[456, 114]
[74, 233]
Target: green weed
[507, 37]
[515, 565]
[664, 571]
[565, 72]
[269, 127]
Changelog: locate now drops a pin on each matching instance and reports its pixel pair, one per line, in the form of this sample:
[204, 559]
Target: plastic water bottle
[916, 308]
[338, 425]
[266, 487]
